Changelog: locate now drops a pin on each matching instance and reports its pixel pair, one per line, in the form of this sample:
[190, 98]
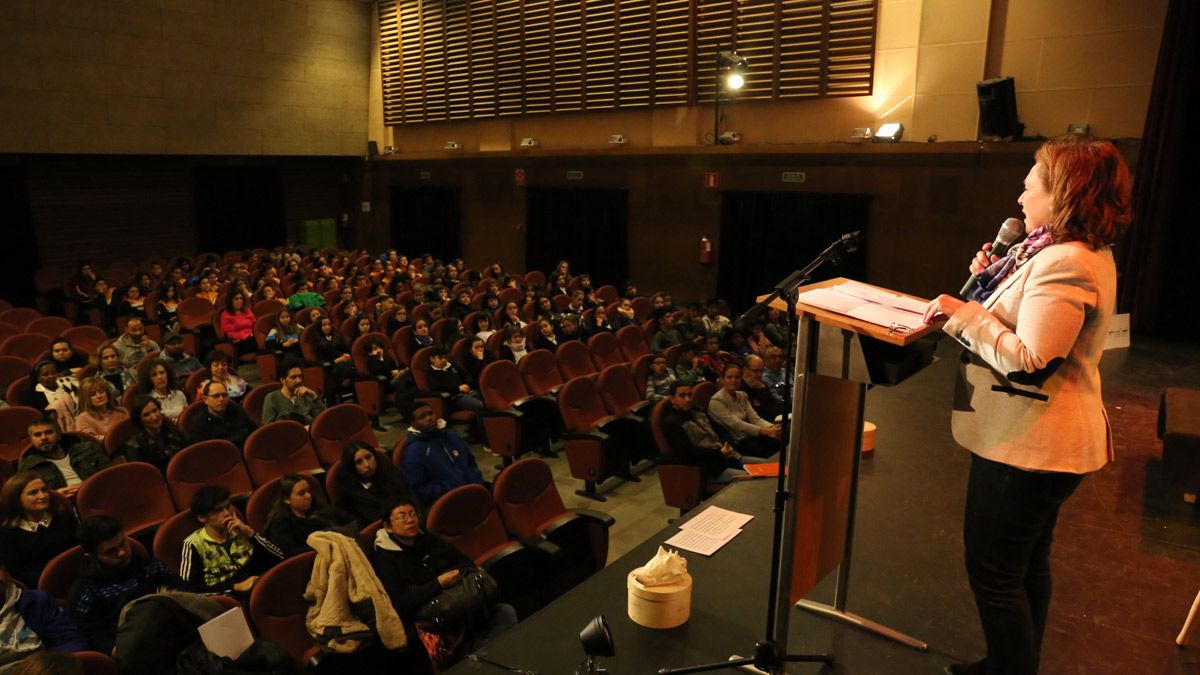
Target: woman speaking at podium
[1027, 403]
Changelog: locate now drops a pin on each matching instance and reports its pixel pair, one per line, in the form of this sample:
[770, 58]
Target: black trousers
[1008, 529]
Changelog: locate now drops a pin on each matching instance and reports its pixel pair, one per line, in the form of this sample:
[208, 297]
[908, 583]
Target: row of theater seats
[521, 533]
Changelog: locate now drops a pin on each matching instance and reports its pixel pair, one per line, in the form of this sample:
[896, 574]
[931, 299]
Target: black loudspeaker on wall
[998, 110]
[372, 149]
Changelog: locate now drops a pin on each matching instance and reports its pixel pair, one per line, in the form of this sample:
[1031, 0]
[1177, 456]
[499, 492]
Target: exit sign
[793, 177]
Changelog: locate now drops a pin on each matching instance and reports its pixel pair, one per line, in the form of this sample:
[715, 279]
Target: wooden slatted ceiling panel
[508, 57]
[389, 52]
[714, 33]
[635, 50]
[458, 61]
[851, 48]
[672, 52]
[539, 56]
[461, 59]
[482, 57]
[568, 55]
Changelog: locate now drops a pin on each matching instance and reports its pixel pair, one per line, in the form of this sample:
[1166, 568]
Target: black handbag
[462, 606]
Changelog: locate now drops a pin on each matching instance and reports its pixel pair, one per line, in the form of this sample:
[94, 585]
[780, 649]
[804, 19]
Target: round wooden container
[664, 606]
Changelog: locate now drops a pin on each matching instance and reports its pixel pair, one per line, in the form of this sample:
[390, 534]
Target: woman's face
[1036, 201]
[61, 351]
[169, 292]
[477, 349]
[600, 314]
[464, 298]
[109, 359]
[546, 329]
[35, 498]
[268, 292]
[482, 323]
[47, 376]
[732, 379]
[159, 378]
[219, 370]
[99, 398]
[364, 463]
[421, 328]
[545, 304]
[133, 293]
[151, 416]
[326, 325]
[510, 310]
[301, 497]
[364, 326]
[285, 318]
[401, 314]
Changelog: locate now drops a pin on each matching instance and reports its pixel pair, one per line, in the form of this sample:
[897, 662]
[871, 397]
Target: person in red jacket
[237, 323]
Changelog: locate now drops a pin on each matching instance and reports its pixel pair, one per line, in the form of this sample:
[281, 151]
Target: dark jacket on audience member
[156, 449]
[87, 457]
[99, 594]
[701, 447]
[233, 425]
[436, 463]
[409, 573]
[290, 532]
[25, 553]
[448, 380]
[45, 618]
[367, 503]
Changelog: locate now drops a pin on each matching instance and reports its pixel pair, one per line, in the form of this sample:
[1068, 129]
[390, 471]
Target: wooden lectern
[837, 356]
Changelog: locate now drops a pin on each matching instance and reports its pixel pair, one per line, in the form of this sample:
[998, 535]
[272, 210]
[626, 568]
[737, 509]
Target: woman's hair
[98, 355]
[730, 366]
[60, 340]
[346, 474]
[139, 405]
[143, 375]
[92, 385]
[233, 295]
[287, 483]
[218, 356]
[1089, 188]
[278, 326]
[10, 498]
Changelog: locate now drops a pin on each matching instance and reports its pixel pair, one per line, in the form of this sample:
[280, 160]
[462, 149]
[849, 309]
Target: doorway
[238, 208]
[427, 219]
[589, 227]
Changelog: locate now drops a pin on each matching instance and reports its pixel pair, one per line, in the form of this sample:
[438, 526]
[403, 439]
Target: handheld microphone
[1009, 233]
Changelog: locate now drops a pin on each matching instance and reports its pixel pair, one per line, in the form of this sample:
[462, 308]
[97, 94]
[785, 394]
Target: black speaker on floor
[998, 110]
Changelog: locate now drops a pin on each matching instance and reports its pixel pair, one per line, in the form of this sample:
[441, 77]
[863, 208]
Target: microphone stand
[767, 656]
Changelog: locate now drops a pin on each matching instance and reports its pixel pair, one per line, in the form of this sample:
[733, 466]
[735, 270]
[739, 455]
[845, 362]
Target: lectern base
[859, 622]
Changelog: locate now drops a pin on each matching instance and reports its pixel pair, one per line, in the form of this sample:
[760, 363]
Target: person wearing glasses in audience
[219, 418]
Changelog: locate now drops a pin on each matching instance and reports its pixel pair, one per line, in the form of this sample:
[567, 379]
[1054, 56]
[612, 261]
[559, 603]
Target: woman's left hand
[942, 307]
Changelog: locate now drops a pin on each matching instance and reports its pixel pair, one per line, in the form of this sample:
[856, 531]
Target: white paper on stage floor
[717, 522]
[867, 304]
[698, 542]
[228, 634]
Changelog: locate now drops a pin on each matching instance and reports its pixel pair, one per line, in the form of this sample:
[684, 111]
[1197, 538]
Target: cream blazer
[1028, 392]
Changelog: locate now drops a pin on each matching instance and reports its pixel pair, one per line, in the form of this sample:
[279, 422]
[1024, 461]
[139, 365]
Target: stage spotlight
[597, 641]
[889, 133]
[731, 70]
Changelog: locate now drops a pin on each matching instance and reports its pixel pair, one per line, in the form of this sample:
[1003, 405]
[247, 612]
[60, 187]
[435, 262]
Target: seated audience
[158, 381]
[693, 440]
[220, 369]
[667, 334]
[293, 400]
[365, 481]
[730, 408]
[714, 322]
[624, 316]
[134, 344]
[420, 336]
[294, 516]
[54, 393]
[218, 418]
[659, 380]
[33, 527]
[688, 368]
[305, 297]
[63, 461]
[113, 576]
[225, 555]
[98, 411]
[237, 322]
[436, 459]
[513, 348]
[461, 306]
[284, 336]
[69, 361]
[713, 360]
[511, 316]
[182, 363]
[156, 439]
[331, 350]
[36, 636]
[445, 378]
[483, 326]
[168, 306]
[569, 329]
[475, 360]
[757, 391]
[547, 336]
[107, 361]
[415, 566]
[597, 322]
[773, 374]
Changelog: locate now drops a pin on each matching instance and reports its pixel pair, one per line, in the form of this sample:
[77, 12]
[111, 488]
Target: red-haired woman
[1035, 422]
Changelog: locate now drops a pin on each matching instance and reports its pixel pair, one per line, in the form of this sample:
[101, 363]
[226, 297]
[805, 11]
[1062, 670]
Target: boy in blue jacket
[436, 459]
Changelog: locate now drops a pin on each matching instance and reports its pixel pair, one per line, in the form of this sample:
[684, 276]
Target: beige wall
[243, 77]
[1073, 60]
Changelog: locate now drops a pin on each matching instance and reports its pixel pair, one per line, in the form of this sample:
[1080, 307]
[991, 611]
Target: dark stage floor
[1126, 557]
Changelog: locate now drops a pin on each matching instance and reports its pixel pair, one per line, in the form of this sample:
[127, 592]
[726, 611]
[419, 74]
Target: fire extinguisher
[705, 251]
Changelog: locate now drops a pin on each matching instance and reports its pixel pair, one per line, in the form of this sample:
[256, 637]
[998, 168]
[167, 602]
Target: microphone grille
[1010, 231]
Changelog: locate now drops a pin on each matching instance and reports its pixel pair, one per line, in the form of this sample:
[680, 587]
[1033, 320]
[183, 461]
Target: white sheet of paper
[698, 542]
[867, 304]
[228, 634]
[717, 522]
